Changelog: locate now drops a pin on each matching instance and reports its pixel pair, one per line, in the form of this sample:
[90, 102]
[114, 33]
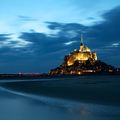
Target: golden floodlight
[81, 55]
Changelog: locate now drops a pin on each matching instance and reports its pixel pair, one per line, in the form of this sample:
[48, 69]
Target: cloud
[113, 45]
[108, 30]
[69, 43]
[26, 18]
[60, 36]
[4, 37]
[66, 26]
[116, 44]
[40, 50]
[9, 41]
[42, 43]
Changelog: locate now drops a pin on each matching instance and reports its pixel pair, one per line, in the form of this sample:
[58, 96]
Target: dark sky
[39, 47]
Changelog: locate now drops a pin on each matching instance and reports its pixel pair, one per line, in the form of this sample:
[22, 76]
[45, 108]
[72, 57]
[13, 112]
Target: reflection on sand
[25, 106]
[90, 89]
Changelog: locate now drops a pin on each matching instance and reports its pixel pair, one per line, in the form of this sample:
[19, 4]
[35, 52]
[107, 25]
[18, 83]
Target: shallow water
[16, 105]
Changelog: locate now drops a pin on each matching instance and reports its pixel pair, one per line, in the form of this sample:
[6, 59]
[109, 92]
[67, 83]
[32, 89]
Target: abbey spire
[81, 38]
[81, 43]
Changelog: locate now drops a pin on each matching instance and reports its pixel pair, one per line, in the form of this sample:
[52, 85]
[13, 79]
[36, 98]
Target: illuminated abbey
[83, 61]
[81, 55]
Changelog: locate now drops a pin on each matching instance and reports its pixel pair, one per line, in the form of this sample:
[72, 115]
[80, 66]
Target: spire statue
[81, 44]
[81, 38]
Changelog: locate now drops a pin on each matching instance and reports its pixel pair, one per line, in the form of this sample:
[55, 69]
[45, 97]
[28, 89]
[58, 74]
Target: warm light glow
[79, 73]
[110, 70]
[82, 55]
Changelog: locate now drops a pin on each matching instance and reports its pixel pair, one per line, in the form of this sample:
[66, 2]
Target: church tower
[81, 55]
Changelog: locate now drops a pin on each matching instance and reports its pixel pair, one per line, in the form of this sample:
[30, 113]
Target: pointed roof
[81, 39]
[83, 48]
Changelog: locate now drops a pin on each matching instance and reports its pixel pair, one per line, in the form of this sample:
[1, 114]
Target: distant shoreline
[46, 76]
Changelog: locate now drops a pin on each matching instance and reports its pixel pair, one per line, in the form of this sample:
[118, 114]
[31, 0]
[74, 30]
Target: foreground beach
[90, 89]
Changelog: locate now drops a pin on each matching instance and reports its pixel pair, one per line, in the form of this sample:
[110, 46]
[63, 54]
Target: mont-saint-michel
[83, 61]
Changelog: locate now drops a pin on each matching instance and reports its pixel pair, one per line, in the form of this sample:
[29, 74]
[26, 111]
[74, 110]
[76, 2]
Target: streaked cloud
[9, 41]
[69, 43]
[26, 18]
[116, 44]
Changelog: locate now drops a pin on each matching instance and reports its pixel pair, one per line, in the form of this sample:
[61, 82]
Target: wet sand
[89, 89]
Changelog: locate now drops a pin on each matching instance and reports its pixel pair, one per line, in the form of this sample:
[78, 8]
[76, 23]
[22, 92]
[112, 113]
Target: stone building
[81, 55]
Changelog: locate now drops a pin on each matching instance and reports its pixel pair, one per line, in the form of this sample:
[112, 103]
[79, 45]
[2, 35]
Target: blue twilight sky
[35, 35]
